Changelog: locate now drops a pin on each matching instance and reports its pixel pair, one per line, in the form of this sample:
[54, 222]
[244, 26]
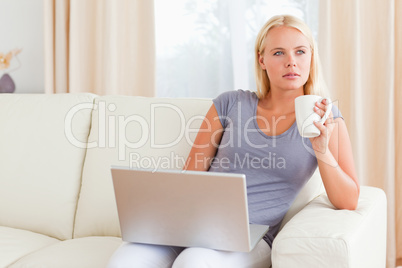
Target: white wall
[21, 26]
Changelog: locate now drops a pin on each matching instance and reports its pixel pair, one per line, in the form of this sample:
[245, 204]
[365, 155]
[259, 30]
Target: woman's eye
[301, 52]
[278, 53]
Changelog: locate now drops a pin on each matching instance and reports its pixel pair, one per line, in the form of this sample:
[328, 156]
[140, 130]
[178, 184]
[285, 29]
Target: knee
[124, 257]
[198, 258]
[141, 255]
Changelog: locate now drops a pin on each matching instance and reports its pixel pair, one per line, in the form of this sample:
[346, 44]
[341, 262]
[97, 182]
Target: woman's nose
[291, 62]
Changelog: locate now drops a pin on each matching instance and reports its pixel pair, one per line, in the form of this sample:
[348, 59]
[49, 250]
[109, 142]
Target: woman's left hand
[320, 143]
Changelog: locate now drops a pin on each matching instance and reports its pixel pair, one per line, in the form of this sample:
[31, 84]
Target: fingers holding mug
[321, 107]
[329, 123]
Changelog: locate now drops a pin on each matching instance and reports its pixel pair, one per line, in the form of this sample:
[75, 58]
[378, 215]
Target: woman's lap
[142, 255]
[259, 257]
[130, 255]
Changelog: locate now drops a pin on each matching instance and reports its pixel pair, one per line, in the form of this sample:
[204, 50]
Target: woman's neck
[281, 102]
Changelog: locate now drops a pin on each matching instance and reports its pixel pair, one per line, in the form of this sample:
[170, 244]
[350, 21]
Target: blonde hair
[315, 83]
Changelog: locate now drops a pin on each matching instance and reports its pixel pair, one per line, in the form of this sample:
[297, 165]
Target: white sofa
[57, 206]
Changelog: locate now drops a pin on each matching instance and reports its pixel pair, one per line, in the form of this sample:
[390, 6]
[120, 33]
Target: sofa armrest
[322, 236]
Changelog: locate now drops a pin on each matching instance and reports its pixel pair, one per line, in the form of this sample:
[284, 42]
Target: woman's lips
[291, 75]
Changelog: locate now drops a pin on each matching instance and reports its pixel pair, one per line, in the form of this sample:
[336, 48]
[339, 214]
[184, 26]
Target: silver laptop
[185, 208]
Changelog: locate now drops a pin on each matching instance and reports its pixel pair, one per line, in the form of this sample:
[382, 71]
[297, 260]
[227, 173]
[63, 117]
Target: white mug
[305, 115]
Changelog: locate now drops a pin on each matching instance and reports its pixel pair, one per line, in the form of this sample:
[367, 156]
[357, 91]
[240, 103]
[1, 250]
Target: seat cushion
[42, 141]
[15, 243]
[136, 132]
[88, 252]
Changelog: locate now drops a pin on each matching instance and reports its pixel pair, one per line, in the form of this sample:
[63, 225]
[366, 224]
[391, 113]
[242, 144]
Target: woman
[256, 134]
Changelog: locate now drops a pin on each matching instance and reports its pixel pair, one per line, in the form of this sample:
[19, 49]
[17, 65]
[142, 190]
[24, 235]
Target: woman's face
[286, 58]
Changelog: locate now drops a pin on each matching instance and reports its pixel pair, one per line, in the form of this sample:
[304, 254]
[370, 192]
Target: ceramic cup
[305, 115]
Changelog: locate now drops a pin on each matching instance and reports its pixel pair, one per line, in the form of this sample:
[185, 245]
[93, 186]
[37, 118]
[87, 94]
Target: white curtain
[361, 50]
[100, 46]
[205, 47]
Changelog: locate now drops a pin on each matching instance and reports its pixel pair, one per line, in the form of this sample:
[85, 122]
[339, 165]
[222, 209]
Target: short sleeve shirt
[276, 167]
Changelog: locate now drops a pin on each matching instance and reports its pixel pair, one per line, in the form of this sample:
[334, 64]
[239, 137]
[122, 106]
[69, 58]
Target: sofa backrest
[141, 132]
[136, 132]
[40, 169]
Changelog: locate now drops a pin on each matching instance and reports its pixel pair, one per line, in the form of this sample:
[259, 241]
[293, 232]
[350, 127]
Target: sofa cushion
[136, 132]
[42, 141]
[15, 243]
[88, 252]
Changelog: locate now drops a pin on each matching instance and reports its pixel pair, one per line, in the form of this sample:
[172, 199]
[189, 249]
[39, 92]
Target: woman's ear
[261, 61]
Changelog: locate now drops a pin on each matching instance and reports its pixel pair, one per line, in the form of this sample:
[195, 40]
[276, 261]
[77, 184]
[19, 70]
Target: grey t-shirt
[276, 167]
